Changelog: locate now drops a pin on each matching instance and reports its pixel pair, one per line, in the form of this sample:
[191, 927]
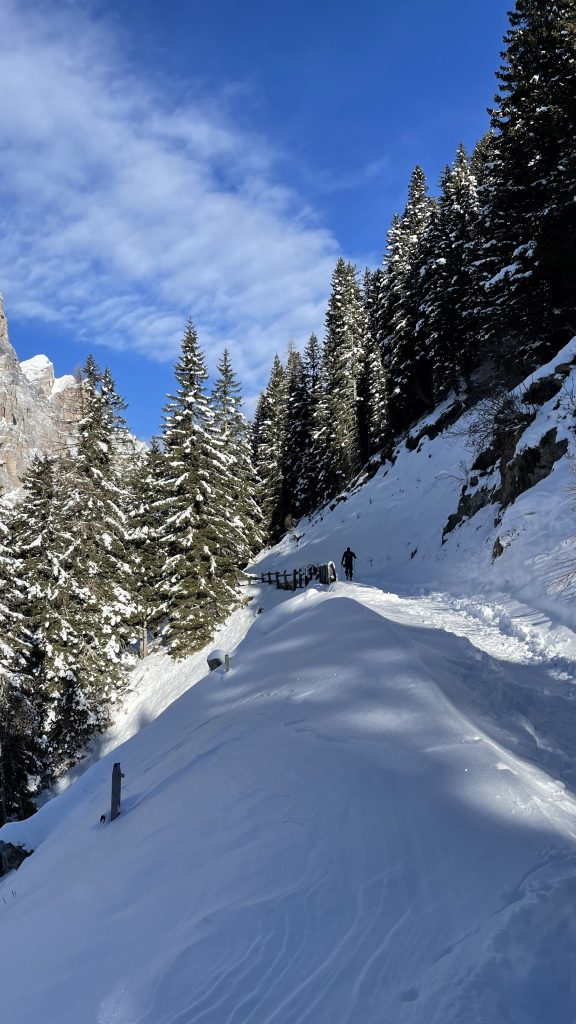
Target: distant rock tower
[38, 413]
[8, 357]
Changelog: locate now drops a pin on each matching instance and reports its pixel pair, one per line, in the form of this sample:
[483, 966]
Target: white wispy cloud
[122, 212]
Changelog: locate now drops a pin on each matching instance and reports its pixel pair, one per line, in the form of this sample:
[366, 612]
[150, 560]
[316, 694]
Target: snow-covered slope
[396, 521]
[341, 829]
[370, 818]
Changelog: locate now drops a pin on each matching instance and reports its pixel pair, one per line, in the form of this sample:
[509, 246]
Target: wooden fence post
[116, 789]
[294, 578]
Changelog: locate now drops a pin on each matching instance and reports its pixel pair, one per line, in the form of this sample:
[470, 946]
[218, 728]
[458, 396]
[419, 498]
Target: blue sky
[166, 159]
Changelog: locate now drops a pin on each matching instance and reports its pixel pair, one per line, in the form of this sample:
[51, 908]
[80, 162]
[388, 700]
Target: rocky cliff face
[38, 412]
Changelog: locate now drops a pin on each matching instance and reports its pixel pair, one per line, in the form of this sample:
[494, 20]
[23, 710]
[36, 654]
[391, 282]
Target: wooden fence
[296, 579]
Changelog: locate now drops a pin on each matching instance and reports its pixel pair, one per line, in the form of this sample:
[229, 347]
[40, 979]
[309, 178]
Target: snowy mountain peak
[39, 370]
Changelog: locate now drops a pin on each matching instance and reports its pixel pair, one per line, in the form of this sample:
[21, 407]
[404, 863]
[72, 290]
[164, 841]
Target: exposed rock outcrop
[38, 412]
[516, 475]
[11, 857]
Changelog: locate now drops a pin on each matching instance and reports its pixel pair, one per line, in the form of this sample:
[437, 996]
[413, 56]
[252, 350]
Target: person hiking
[348, 562]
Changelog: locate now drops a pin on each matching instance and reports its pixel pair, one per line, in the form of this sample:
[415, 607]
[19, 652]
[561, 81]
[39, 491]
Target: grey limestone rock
[38, 412]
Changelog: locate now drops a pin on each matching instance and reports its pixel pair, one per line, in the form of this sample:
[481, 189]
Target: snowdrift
[320, 835]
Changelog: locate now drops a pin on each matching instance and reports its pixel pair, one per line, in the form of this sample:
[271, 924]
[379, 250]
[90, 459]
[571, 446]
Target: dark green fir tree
[531, 296]
[146, 551]
[269, 439]
[235, 482]
[22, 753]
[194, 594]
[343, 356]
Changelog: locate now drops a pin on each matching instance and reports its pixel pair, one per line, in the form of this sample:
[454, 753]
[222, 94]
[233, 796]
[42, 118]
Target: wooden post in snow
[116, 790]
[143, 646]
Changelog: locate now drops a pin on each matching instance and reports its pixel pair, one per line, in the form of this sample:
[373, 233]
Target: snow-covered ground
[367, 819]
[155, 684]
[371, 818]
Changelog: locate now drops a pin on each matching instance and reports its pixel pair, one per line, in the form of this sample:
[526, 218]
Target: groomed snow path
[359, 824]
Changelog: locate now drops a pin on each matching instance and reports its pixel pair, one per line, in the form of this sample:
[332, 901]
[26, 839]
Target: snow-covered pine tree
[236, 484]
[194, 595]
[343, 354]
[41, 540]
[269, 440]
[405, 362]
[21, 746]
[373, 382]
[296, 444]
[90, 510]
[371, 284]
[313, 459]
[532, 293]
[482, 258]
[146, 554]
[14, 634]
[387, 288]
[449, 279]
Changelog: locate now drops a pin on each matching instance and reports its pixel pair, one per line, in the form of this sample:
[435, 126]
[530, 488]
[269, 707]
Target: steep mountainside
[37, 410]
[476, 504]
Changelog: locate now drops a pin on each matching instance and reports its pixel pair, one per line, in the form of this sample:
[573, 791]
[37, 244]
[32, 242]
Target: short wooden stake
[116, 789]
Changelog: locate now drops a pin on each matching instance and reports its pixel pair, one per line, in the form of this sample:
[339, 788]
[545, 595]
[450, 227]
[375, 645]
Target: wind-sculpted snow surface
[341, 830]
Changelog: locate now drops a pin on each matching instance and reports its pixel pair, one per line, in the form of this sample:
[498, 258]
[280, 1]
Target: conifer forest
[113, 546]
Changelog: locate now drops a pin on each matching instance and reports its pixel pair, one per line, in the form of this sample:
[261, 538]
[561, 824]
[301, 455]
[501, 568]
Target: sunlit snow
[370, 818]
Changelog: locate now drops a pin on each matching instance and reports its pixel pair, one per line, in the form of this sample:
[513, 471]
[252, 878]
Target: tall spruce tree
[21, 748]
[373, 381]
[482, 257]
[313, 459]
[269, 439]
[296, 442]
[192, 589]
[387, 289]
[407, 365]
[90, 510]
[21, 720]
[449, 280]
[146, 553]
[532, 293]
[237, 477]
[43, 542]
[343, 356]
